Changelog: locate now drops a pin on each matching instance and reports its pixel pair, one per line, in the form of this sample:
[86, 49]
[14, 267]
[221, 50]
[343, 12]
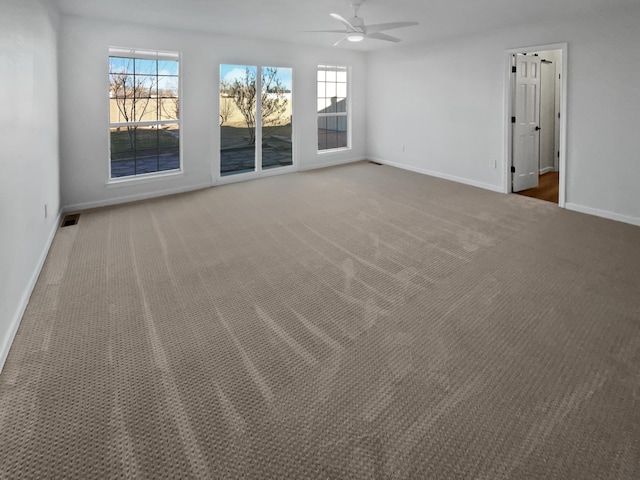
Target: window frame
[346, 114]
[158, 56]
[258, 166]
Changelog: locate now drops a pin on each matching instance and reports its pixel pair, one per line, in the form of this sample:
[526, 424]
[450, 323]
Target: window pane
[168, 102]
[121, 85]
[341, 105]
[122, 151]
[169, 109]
[167, 86]
[277, 150]
[145, 110]
[120, 65]
[323, 103]
[146, 150]
[145, 86]
[169, 148]
[341, 89]
[166, 67]
[146, 67]
[331, 90]
[238, 94]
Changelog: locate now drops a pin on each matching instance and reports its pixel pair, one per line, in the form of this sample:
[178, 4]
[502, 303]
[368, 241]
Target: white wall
[29, 170]
[445, 103]
[84, 109]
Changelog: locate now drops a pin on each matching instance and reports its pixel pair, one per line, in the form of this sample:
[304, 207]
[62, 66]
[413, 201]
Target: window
[333, 110]
[144, 112]
[256, 128]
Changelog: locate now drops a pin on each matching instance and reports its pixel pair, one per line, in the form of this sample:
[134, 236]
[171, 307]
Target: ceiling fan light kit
[356, 30]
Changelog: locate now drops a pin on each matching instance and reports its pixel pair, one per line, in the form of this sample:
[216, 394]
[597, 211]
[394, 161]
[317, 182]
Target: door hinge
[513, 119]
[558, 153]
[513, 69]
[513, 169]
[558, 114]
[558, 76]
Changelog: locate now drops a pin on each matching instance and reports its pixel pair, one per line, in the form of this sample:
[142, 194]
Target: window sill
[333, 150]
[141, 179]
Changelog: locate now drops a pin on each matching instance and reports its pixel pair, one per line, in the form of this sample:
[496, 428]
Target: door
[526, 129]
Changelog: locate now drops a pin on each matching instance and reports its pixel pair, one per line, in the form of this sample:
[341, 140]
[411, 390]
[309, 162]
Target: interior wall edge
[5, 343]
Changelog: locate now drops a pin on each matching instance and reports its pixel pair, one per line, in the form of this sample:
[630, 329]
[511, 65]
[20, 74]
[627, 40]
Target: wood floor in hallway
[547, 188]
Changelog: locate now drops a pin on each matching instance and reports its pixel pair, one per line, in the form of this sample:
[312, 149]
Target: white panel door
[526, 129]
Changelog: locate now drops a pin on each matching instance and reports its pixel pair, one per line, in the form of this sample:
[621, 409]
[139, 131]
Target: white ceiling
[284, 20]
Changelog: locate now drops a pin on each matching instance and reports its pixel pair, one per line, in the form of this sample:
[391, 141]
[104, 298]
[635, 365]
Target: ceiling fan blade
[322, 31]
[343, 20]
[379, 27]
[338, 42]
[382, 36]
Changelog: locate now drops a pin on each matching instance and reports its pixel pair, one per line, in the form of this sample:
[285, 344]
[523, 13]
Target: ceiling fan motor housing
[358, 23]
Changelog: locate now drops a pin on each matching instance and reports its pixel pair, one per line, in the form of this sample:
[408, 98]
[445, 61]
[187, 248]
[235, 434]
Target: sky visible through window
[229, 73]
[165, 70]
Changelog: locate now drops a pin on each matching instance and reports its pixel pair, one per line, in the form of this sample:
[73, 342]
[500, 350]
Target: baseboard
[5, 346]
[547, 170]
[332, 163]
[132, 198]
[603, 213]
[444, 176]
[248, 176]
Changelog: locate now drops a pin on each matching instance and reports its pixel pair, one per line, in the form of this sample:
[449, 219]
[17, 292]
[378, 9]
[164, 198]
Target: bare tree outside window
[226, 102]
[243, 91]
[132, 95]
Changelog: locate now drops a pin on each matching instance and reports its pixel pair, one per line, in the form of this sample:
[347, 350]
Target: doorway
[536, 130]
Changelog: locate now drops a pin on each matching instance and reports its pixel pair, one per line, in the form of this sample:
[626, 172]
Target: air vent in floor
[375, 163]
[69, 220]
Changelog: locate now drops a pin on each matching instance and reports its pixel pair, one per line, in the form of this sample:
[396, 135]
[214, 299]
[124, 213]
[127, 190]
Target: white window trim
[152, 176]
[337, 114]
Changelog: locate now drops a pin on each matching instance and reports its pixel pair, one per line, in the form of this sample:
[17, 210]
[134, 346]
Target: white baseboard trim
[444, 176]
[332, 163]
[547, 170]
[26, 296]
[132, 198]
[603, 213]
[248, 176]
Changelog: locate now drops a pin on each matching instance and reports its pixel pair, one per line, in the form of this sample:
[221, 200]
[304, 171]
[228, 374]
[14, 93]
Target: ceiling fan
[356, 30]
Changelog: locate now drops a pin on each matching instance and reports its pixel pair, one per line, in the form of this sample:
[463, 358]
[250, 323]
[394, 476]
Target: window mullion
[258, 150]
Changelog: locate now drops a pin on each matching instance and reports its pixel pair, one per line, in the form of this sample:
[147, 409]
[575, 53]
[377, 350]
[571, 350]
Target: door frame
[508, 109]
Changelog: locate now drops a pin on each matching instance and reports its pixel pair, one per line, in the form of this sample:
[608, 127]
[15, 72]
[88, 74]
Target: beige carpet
[357, 322]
